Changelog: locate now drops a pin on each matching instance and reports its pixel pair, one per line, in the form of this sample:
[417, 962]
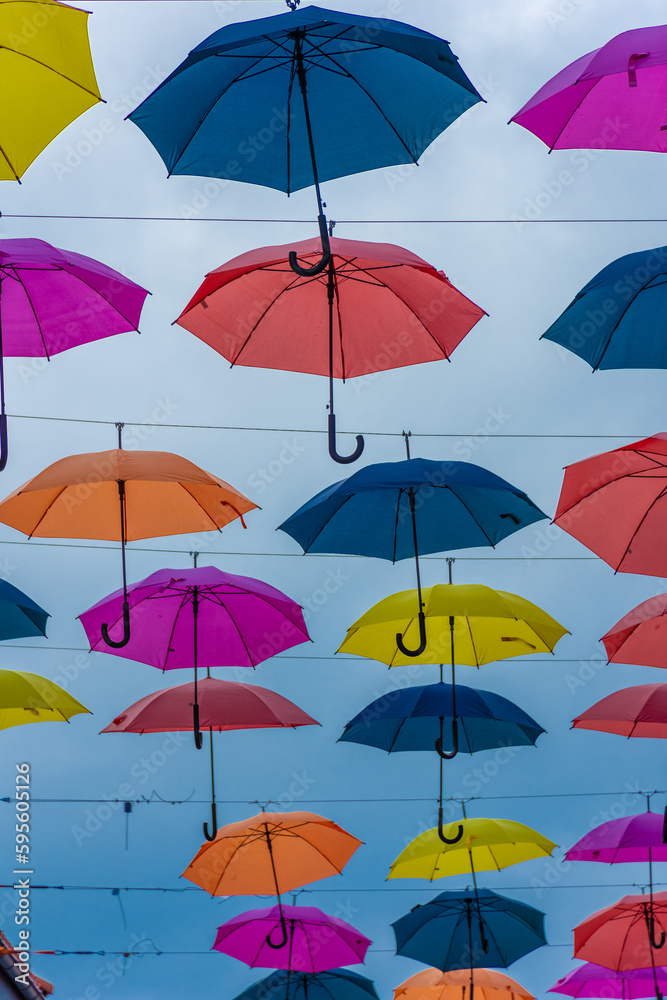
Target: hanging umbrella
[377, 307]
[52, 300]
[122, 496]
[415, 718]
[28, 698]
[611, 98]
[617, 319]
[442, 932]
[48, 70]
[20, 617]
[374, 513]
[640, 636]
[315, 941]
[591, 980]
[626, 935]
[635, 711]
[616, 505]
[223, 706]
[333, 984]
[487, 984]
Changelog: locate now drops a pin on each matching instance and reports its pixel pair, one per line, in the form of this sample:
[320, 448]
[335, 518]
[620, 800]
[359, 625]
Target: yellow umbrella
[32, 698]
[46, 77]
[465, 623]
[432, 984]
[486, 845]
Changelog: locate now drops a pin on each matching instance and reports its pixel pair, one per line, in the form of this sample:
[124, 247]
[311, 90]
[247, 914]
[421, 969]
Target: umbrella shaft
[301, 74]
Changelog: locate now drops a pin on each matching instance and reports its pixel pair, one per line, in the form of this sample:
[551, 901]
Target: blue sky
[521, 408]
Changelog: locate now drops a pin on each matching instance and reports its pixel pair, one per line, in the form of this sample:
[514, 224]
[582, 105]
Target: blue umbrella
[617, 320]
[335, 984]
[374, 513]
[19, 615]
[442, 933]
[414, 718]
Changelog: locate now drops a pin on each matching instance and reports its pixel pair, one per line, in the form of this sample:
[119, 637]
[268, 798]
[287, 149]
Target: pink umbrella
[635, 711]
[591, 980]
[223, 705]
[311, 941]
[612, 98]
[53, 300]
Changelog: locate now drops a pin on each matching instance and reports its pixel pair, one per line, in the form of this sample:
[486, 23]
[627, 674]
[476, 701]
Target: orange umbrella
[122, 496]
[432, 984]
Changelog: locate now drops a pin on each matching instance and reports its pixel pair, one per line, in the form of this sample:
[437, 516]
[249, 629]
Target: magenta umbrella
[313, 941]
[52, 300]
[591, 980]
[199, 617]
[611, 98]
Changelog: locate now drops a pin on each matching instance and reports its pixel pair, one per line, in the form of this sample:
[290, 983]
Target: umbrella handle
[214, 824]
[651, 933]
[448, 840]
[449, 754]
[283, 928]
[4, 454]
[117, 644]
[342, 459]
[310, 272]
[422, 642]
[199, 739]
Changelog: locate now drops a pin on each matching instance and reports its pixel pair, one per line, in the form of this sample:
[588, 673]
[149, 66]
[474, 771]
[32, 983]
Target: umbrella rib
[641, 521]
[115, 308]
[319, 532]
[340, 327]
[10, 164]
[32, 309]
[656, 465]
[201, 506]
[184, 601]
[472, 641]
[573, 112]
[56, 72]
[46, 511]
[619, 321]
[271, 304]
[471, 515]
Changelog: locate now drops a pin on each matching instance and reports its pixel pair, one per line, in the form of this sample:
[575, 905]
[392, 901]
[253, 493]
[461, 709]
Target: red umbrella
[375, 307]
[223, 705]
[616, 505]
[641, 635]
[634, 711]
[623, 936]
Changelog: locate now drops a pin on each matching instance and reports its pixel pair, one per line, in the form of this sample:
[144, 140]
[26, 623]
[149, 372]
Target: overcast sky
[517, 406]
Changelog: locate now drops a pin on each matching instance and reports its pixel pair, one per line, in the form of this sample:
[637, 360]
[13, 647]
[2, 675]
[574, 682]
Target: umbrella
[19, 615]
[373, 513]
[48, 71]
[378, 307]
[623, 936]
[442, 932]
[315, 941]
[414, 719]
[616, 320]
[432, 984]
[616, 504]
[371, 92]
[28, 697]
[635, 711]
[333, 984]
[609, 98]
[52, 300]
[640, 636]
[122, 495]
[199, 617]
[222, 706]
[591, 980]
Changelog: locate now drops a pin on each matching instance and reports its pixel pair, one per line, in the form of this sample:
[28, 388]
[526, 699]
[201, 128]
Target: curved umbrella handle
[448, 840]
[651, 934]
[283, 928]
[449, 754]
[117, 644]
[199, 739]
[310, 272]
[422, 640]
[342, 459]
[4, 454]
[214, 824]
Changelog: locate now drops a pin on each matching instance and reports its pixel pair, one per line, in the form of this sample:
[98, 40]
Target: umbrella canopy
[486, 845]
[621, 936]
[613, 323]
[378, 93]
[445, 932]
[615, 503]
[640, 636]
[636, 711]
[271, 853]
[19, 615]
[488, 984]
[610, 98]
[487, 625]
[333, 984]
[48, 70]
[413, 719]
[28, 698]
[315, 941]
[591, 980]
[240, 621]
[629, 839]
